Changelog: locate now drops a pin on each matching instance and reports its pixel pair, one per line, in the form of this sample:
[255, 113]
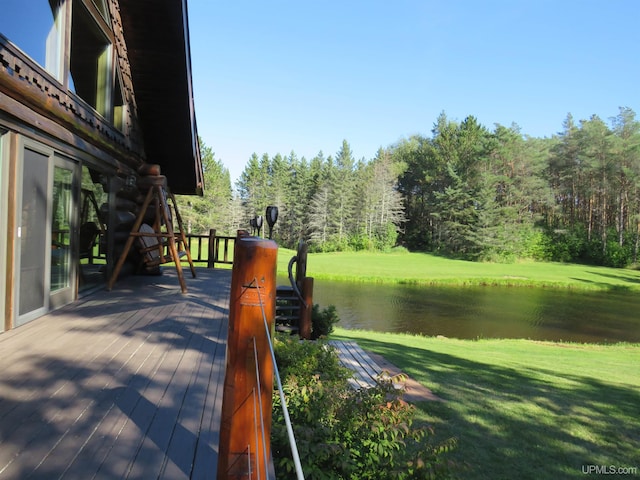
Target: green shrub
[322, 321]
[342, 433]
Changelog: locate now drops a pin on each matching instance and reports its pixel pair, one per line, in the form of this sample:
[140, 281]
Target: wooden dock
[122, 384]
[369, 368]
[366, 371]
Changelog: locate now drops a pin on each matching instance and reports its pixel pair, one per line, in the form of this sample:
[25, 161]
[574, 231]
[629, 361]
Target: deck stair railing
[294, 302]
[245, 430]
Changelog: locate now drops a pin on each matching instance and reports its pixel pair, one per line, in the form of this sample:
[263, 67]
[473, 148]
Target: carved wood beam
[33, 88]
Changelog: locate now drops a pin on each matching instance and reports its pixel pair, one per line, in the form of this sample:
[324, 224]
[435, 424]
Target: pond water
[485, 312]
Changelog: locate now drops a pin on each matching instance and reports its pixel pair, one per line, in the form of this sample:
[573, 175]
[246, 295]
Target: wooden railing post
[213, 251]
[307, 309]
[245, 447]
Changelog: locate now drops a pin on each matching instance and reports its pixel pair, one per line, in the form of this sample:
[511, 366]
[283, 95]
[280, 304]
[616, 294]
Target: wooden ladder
[154, 255]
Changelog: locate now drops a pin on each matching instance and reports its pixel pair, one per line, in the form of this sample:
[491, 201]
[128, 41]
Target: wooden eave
[157, 38]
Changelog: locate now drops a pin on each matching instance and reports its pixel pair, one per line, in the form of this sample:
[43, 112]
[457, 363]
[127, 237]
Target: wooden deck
[366, 371]
[369, 368]
[122, 384]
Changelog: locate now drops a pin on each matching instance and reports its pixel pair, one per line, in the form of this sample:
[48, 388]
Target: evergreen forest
[464, 191]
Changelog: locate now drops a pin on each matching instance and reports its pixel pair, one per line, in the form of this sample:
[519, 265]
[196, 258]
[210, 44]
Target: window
[37, 27]
[90, 64]
[118, 105]
[61, 229]
[102, 8]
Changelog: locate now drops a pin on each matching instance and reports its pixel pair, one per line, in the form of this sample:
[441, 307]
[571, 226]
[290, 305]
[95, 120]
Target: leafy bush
[537, 246]
[342, 433]
[322, 321]
[565, 245]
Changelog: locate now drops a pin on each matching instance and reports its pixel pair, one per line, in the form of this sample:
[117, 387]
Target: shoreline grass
[518, 408]
[521, 408]
[427, 269]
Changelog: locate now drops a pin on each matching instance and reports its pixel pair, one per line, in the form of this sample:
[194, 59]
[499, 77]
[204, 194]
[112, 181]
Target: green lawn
[422, 268]
[524, 409]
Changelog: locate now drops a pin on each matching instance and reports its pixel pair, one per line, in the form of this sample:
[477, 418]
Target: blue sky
[272, 77]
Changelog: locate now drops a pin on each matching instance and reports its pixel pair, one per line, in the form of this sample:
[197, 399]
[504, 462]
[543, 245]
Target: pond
[485, 312]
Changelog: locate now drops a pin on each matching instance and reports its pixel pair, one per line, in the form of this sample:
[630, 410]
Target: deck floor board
[365, 370]
[121, 384]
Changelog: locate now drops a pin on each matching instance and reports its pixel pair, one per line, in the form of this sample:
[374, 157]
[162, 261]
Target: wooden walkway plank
[204, 461]
[370, 368]
[364, 369]
[64, 396]
[179, 379]
[59, 341]
[125, 384]
[183, 444]
[64, 455]
[151, 412]
[99, 442]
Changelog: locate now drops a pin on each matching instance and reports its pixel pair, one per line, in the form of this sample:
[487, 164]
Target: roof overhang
[156, 33]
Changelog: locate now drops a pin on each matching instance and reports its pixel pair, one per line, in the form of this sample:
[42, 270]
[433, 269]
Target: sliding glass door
[46, 233]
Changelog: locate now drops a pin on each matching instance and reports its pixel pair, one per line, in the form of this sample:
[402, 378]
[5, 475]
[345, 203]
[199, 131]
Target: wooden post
[307, 309]
[213, 251]
[245, 447]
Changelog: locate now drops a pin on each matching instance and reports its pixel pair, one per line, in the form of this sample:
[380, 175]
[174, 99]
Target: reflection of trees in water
[484, 312]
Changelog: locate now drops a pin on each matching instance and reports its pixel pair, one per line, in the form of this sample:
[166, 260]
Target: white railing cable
[259, 402]
[283, 401]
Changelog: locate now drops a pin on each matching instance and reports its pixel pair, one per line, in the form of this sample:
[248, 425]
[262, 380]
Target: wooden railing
[211, 249]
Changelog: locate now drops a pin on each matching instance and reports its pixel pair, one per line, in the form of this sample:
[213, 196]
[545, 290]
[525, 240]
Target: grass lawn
[523, 409]
[423, 268]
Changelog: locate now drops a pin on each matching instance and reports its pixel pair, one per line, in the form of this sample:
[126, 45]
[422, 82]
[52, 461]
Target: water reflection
[485, 312]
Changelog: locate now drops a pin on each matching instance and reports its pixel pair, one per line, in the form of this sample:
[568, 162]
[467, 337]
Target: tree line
[464, 191]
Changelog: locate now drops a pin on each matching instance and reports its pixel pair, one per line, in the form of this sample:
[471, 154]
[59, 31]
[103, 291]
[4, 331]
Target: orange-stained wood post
[245, 447]
[307, 309]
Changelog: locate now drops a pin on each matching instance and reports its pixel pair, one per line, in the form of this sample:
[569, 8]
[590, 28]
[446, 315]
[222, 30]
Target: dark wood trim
[12, 222]
[123, 70]
[66, 41]
[99, 19]
[33, 125]
[37, 92]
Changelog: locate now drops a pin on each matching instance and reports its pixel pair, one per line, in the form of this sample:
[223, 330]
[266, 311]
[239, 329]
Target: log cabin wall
[71, 142]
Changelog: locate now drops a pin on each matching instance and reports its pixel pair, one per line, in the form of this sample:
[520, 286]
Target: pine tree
[211, 210]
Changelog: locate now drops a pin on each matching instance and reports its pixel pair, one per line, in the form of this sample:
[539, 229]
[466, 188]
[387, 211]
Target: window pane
[89, 59]
[93, 213]
[102, 8]
[61, 228]
[118, 105]
[35, 28]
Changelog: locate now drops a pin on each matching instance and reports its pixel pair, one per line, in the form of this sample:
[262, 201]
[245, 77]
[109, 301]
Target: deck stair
[288, 309]
[294, 301]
